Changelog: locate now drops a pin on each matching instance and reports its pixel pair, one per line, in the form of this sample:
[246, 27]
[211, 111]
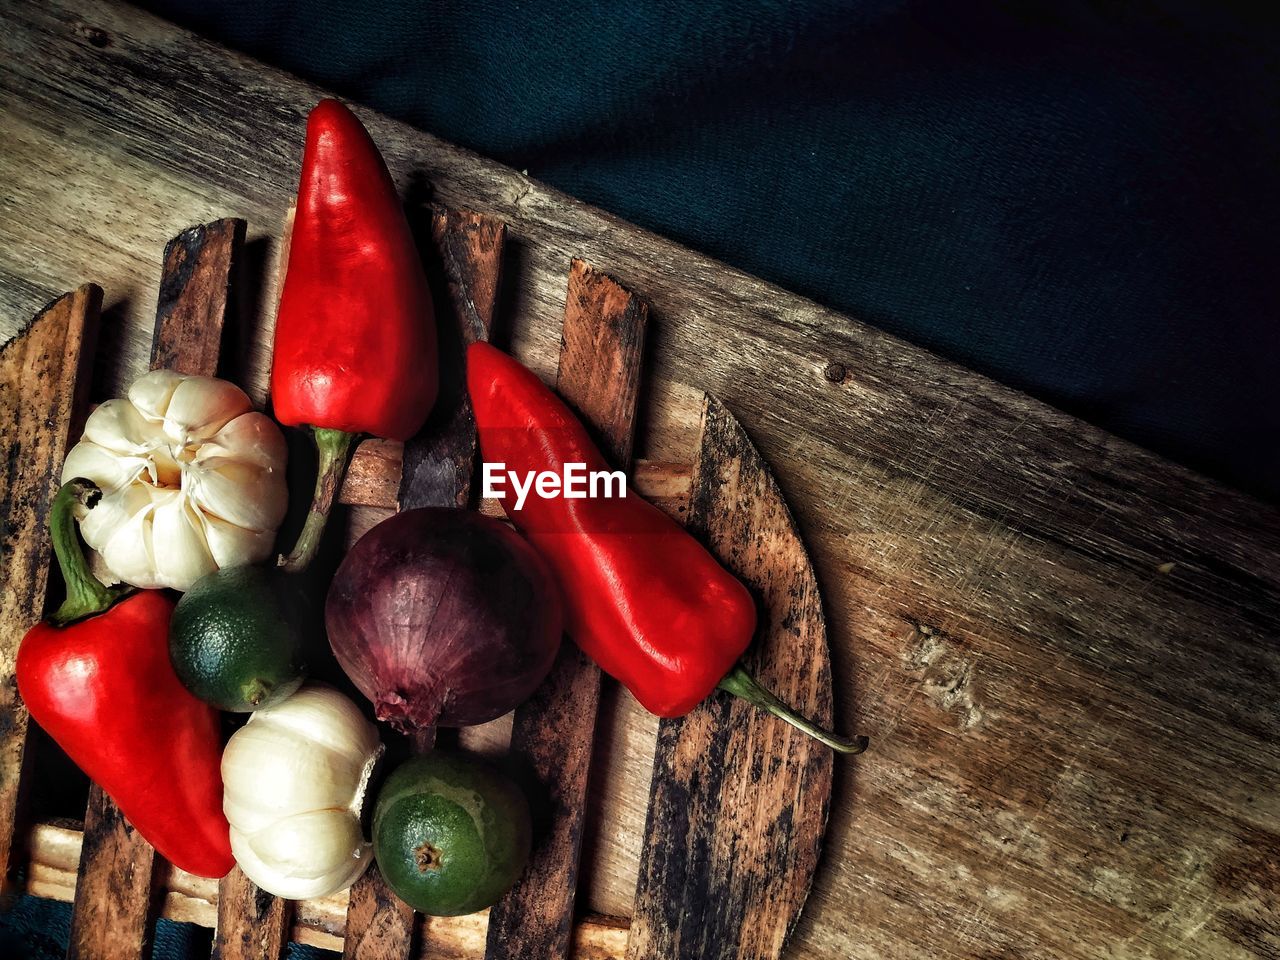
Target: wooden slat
[44, 381]
[111, 910]
[466, 265]
[380, 926]
[739, 799]
[438, 463]
[251, 923]
[373, 476]
[197, 294]
[113, 900]
[601, 355]
[553, 732]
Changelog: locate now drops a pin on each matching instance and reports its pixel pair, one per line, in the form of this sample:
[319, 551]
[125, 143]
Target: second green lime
[450, 834]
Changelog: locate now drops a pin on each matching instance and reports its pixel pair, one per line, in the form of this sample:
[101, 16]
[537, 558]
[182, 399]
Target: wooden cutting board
[1063, 648]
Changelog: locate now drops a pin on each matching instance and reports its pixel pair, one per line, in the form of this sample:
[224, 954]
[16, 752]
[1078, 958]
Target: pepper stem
[742, 684]
[85, 593]
[334, 447]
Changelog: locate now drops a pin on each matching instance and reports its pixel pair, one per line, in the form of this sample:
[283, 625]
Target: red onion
[443, 618]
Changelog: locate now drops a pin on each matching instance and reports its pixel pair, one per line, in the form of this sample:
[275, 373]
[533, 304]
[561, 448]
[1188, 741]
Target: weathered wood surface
[55, 851]
[111, 914]
[553, 733]
[251, 923]
[464, 257]
[1075, 744]
[44, 398]
[379, 925]
[110, 918]
[739, 800]
[196, 295]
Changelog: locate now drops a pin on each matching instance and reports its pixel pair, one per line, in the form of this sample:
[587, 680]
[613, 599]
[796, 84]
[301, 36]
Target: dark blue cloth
[35, 929]
[1077, 199]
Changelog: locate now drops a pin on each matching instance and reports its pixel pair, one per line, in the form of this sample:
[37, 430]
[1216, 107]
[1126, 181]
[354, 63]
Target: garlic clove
[178, 546]
[310, 844]
[115, 509]
[251, 437]
[330, 719]
[234, 546]
[110, 471]
[119, 528]
[342, 871]
[219, 487]
[151, 392]
[118, 426]
[200, 407]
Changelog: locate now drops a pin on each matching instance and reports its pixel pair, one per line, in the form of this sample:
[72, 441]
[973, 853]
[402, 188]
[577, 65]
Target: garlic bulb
[294, 781]
[192, 480]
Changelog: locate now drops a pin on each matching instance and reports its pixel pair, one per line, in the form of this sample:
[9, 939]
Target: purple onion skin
[443, 618]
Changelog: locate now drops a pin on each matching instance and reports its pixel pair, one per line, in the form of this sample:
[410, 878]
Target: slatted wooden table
[1063, 648]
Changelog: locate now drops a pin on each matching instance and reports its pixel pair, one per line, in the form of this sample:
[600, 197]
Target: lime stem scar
[428, 858]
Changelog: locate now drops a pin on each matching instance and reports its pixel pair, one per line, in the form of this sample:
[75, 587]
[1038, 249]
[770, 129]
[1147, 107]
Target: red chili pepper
[355, 344]
[643, 598]
[97, 677]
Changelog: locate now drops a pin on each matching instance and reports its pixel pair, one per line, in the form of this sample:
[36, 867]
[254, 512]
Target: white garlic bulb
[192, 478]
[294, 782]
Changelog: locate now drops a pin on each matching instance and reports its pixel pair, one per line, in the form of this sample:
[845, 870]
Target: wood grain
[464, 259]
[110, 916]
[373, 476]
[44, 383]
[1076, 745]
[601, 358]
[380, 926]
[739, 799]
[251, 923]
[195, 296]
[553, 732]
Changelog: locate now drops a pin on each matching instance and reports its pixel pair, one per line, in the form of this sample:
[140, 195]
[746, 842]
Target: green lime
[450, 834]
[236, 638]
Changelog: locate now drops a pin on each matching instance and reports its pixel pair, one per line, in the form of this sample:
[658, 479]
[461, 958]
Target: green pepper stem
[334, 447]
[742, 684]
[85, 593]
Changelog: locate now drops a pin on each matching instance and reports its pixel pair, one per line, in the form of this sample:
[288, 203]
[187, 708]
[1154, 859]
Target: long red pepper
[644, 599]
[355, 345]
[97, 677]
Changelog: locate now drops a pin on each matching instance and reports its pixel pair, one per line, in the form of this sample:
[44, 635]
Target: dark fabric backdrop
[1077, 199]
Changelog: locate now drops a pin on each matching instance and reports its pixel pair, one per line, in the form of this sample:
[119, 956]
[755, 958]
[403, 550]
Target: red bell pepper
[355, 343]
[644, 599]
[97, 677]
